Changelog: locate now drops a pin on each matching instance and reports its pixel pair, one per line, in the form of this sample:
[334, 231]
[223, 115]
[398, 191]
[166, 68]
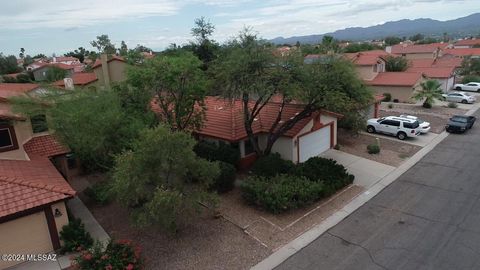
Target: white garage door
[315, 143]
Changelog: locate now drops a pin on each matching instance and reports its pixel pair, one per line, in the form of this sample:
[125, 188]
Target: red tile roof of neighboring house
[45, 146]
[79, 78]
[224, 118]
[59, 65]
[98, 62]
[15, 89]
[417, 48]
[395, 79]
[463, 51]
[312, 56]
[418, 63]
[467, 42]
[64, 59]
[448, 62]
[434, 72]
[27, 184]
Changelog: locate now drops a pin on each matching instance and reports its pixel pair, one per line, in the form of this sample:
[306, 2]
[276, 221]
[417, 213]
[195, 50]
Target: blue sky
[58, 26]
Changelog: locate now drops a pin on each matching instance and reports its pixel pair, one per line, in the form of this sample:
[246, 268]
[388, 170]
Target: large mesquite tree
[249, 70]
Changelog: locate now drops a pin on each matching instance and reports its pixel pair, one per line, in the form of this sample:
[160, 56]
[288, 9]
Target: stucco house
[40, 73]
[418, 51]
[33, 189]
[444, 75]
[309, 137]
[109, 69]
[368, 64]
[78, 79]
[401, 85]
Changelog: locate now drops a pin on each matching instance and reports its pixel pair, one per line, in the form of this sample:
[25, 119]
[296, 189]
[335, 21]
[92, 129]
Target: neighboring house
[68, 60]
[466, 43]
[444, 75]
[418, 51]
[368, 64]
[309, 137]
[401, 85]
[462, 53]
[40, 73]
[36, 64]
[80, 79]
[109, 69]
[32, 189]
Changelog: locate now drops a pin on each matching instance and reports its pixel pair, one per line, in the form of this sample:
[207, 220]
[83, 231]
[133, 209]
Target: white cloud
[71, 14]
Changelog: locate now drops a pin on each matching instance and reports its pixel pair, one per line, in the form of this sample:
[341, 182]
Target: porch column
[241, 146]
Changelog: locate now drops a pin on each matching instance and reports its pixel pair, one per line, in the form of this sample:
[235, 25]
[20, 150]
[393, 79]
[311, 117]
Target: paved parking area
[367, 172]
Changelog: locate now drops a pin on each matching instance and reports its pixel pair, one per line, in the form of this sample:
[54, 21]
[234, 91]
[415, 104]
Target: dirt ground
[437, 116]
[392, 152]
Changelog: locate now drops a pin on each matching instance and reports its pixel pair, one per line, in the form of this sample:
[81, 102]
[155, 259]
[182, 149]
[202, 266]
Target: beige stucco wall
[403, 94]
[116, 70]
[325, 119]
[23, 132]
[63, 219]
[366, 72]
[25, 235]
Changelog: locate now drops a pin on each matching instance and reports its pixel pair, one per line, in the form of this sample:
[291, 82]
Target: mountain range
[461, 27]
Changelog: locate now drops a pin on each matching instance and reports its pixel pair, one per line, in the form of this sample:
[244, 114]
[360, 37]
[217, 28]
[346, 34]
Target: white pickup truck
[471, 86]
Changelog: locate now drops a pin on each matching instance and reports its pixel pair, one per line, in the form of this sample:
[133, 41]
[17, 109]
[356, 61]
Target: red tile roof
[15, 89]
[467, 42]
[98, 62]
[28, 184]
[59, 65]
[448, 62]
[463, 51]
[417, 48]
[434, 72]
[65, 59]
[45, 146]
[418, 63]
[79, 78]
[224, 118]
[395, 79]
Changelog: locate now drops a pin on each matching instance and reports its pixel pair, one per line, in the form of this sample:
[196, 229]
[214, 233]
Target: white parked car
[394, 125]
[471, 86]
[459, 97]
[424, 125]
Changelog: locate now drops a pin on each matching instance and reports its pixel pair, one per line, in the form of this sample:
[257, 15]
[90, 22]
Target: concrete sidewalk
[367, 172]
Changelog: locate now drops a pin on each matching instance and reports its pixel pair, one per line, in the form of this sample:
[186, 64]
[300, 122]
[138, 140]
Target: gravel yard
[392, 152]
[437, 116]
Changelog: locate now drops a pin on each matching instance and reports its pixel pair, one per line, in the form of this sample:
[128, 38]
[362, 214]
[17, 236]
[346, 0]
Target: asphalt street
[429, 218]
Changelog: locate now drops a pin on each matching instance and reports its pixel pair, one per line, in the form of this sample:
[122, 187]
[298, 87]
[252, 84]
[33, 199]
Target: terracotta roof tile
[8, 90]
[79, 78]
[418, 48]
[434, 72]
[395, 79]
[59, 65]
[224, 118]
[45, 146]
[467, 42]
[98, 62]
[27, 184]
[463, 51]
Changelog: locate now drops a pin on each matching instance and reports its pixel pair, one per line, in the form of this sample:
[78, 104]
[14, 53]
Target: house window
[249, 147]
[8, 141]
[39, 123]
[375, 68]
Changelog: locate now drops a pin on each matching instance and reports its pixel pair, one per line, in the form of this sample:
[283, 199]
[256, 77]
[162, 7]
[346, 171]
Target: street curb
[306, 238]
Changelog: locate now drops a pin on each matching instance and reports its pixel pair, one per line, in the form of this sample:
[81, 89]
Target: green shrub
[221, 152]
[99, 192]
[116, 255]
[282, 192]
[328, 171]
[390, 106]
[226, 180]
[396, 100]
[74, 236]
[452, 105]
[337, 147]
[272, 165]
[387, 97]
[470, 78]
[373, 149]
[427, 105]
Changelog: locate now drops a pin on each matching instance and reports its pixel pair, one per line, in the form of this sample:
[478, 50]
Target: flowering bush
[117, 255]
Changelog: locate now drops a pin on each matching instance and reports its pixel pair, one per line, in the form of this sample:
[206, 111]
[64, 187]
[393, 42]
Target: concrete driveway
[367, 172]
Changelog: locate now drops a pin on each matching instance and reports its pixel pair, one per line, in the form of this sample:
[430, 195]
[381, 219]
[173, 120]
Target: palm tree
[430, 91]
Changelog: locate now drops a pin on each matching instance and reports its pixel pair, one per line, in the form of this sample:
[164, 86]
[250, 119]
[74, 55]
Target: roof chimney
[106, 73]
[388, 49]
